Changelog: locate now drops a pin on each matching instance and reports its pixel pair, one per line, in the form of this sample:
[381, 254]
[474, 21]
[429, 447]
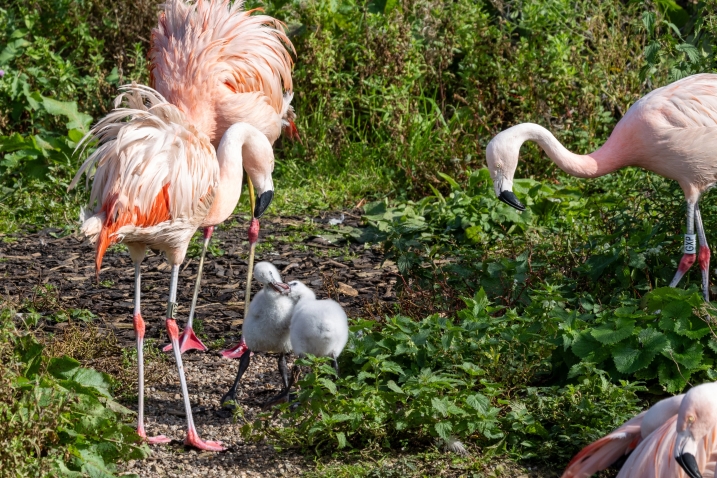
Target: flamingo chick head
[299, 290]
[268, 275]
[502, 157]
[697, 417]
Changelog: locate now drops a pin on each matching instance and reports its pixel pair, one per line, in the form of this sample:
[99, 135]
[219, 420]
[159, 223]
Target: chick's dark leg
[232, 393]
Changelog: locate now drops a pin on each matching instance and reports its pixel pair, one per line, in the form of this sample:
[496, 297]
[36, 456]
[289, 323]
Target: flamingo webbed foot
[156, 440]
[237, 351]
[188, 341]
[193, 440]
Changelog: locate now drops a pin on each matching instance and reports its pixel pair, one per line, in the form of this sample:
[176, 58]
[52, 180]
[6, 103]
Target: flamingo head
[695, 419]
[502, 157]
[268, 275]
[299, 290]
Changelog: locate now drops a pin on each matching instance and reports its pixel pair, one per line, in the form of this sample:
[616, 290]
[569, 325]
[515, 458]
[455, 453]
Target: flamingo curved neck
[598, 163]
[230, 158]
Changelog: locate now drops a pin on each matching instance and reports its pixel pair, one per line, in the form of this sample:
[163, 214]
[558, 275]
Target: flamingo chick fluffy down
[266, 326]
[318, 327]
[670, 131]
[156, 180]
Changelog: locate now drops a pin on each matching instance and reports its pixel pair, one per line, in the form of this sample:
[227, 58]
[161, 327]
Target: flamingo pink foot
[158, 440]
[188, 341]
[194, 440]
[237, 351]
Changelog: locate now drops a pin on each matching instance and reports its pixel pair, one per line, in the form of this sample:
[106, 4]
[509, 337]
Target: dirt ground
[312, 251]
[317, 254]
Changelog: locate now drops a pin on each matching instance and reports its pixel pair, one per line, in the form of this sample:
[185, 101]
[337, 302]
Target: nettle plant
[412, 382]
[59, 418]
[666, 338]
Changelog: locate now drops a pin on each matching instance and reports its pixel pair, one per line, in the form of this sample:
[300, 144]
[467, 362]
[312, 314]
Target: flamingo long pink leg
[139, 332]
[173, 331]
[189, 340]
[690, 254]
[704, 255]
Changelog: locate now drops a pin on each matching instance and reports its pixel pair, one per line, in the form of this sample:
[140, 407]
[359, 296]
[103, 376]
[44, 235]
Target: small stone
[346, 289]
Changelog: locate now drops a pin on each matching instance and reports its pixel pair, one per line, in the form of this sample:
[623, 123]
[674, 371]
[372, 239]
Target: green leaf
[692, 53]
[671, 378]
[439, 406]
[392, 385]
[93, 379]
[341, 438]
[68, 109]
[479, 402]
[444, 429]
[614, 333]
[331, 386]
[63, 367]
[648, 20]
[454, 185]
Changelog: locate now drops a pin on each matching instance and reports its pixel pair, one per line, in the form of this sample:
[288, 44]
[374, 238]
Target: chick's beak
[281, 287]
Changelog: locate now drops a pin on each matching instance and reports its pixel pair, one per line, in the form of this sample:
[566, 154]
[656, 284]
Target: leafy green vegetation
[407, 382]
[526, 334]
[59, 418]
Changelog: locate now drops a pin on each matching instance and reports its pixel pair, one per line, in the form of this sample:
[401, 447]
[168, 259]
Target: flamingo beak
[509, 198]
[263, 203]
[281, 287]
[683, 445]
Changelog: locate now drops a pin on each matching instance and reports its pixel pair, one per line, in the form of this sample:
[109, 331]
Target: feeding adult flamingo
[157, 180]
[670, 131]
[236, 68]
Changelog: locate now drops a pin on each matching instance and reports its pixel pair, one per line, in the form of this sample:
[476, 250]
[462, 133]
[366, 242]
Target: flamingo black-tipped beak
[688, 463]
[280, 287]
[509, 198]
[263, 203]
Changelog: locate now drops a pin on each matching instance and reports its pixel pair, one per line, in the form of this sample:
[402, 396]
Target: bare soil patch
[349, 272]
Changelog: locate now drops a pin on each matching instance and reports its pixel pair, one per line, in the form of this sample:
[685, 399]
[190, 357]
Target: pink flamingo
[617, 445]
[157, 179]
[669, 131]
[677, 437]
[227, 66]
[685, 444]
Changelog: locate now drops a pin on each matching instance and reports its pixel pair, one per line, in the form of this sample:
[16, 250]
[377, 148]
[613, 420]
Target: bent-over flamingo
[157, 180]
[671, 131]
[685, 445]
[614, 448]
[226, 66]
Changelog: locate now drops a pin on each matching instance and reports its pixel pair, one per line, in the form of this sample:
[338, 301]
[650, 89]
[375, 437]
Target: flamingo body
[223, 65]
[620, 443]
[671, 131]
[156, 180]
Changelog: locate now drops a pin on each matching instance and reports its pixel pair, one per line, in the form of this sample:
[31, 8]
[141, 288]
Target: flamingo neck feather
[603, 161]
